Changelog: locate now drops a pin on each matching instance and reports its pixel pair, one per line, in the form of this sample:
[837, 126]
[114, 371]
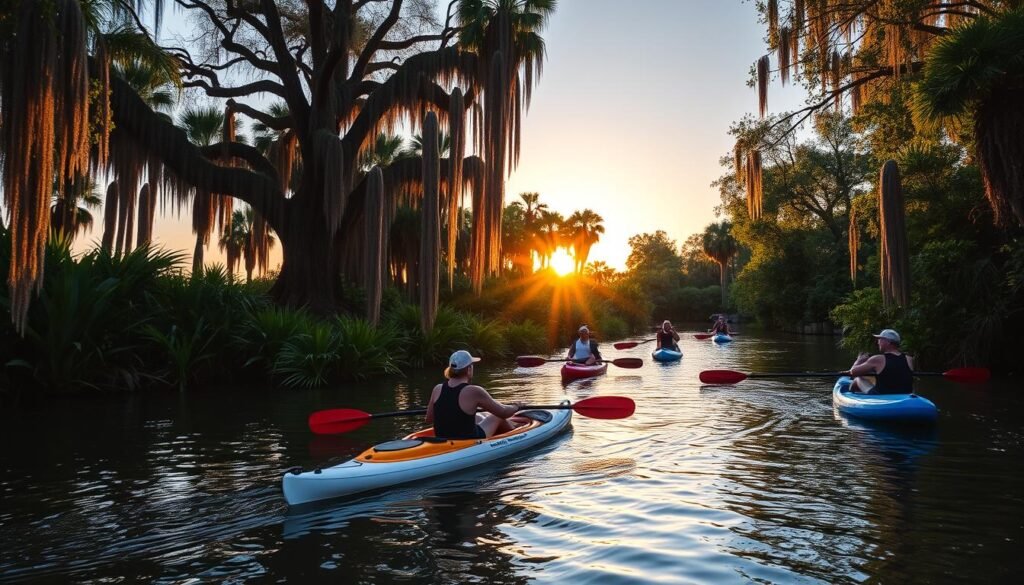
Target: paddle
[532, 361]
[962, 375]
[630, 344]
[343, 420]
[710, 335]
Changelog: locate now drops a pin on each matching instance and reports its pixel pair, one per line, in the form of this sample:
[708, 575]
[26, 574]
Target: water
[759, 482]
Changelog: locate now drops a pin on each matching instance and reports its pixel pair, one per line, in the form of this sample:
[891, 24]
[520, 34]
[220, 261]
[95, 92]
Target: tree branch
[261, 86]
[289, 73]
[160, 138]
[268, 120]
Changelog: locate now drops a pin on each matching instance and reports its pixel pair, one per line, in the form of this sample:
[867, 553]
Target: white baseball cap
[889, 334]
[461, 359]
[584, 328]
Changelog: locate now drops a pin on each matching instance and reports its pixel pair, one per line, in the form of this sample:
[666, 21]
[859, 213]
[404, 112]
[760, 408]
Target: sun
[562, 262]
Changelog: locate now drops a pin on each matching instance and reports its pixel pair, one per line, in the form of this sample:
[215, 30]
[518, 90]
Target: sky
[629, 119]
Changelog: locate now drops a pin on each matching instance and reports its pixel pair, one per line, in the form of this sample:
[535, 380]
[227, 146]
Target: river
[757, 482]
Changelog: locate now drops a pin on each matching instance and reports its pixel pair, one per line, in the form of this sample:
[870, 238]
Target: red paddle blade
[631, 363]
[337, 420]
[968, 375]
[703, 335]
[722, 377]
[606, 407]
[625, 345]
[530, 361]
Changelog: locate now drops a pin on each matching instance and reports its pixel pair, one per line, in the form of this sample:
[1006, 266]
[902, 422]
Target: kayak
[890, 407]
[721, 338]
[572, 371]
[418, 456]
[666, 355]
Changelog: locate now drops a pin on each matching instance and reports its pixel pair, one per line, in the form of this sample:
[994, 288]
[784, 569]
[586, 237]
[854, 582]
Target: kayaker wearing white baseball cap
[584, 349]
[893, 369]
[454, 403]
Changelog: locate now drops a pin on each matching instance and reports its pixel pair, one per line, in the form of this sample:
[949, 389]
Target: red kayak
[571, 371]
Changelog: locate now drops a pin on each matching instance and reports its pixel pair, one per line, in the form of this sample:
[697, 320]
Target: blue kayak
[721, 338]
[888, 407]
[665, 354]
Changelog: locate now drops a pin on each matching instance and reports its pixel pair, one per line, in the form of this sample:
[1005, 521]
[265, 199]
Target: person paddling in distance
[584, 350]
[721, 325]
[893, 370]
[454, 403]
[667, 336]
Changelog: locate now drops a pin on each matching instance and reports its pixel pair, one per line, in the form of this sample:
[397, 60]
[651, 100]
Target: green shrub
[485, 338]
[264, 332]
[310, 358]
[365, 351]
[526, 338]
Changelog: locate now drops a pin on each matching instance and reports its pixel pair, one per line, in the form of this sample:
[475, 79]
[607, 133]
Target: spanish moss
[430, 234]
[895, 257]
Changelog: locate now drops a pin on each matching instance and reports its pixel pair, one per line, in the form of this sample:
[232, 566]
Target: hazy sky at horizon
[629, 118]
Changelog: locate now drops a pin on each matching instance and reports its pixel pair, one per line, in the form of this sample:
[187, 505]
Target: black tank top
[896, 378]
[666, 340]
[450, 421]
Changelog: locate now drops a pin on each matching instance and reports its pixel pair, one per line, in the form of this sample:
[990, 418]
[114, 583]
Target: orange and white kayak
[418, 456]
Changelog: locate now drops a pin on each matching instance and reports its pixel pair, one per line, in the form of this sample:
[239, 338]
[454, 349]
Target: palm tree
[532, 208]
[584, 229]
[549, 235]
[386, 149]
[78, 219]
[976, 73]
[720, 246]
[504, 33]
[601, 273]
[444, 141]
[238, 243]
[203, 125]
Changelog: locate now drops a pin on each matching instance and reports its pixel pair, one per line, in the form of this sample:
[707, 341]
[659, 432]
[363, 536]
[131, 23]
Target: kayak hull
[882, 407]
[571, 371]
[666, 355]
[721, 338]
[419, 456]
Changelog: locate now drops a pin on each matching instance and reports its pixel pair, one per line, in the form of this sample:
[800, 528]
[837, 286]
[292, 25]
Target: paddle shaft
[826, 374]
[424, 410]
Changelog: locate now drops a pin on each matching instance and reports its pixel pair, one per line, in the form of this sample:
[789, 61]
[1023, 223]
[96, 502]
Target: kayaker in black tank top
[450, 421]
[896, 377]
[454, 404]
[893, 370]
[667, 336]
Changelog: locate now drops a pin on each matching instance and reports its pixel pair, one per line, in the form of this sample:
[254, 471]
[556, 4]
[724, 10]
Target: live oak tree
[345, 71]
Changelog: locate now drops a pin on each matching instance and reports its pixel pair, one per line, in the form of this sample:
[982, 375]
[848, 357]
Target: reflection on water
[761, 481]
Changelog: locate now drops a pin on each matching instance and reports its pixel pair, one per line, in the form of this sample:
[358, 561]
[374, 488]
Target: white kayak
[419, 456]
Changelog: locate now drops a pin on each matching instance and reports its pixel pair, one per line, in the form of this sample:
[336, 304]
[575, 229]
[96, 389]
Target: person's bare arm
[675, 335]
[871, 366]
[485, 402]
[430, 405]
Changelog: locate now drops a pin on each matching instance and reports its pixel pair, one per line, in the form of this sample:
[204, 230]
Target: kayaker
[721, 326]
[584, 350]
[667, 336]
[893, 370]
[454, 403]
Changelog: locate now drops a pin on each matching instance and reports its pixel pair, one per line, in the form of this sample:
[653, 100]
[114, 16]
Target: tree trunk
[721, 281]
[309, 269]
[197, 256]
